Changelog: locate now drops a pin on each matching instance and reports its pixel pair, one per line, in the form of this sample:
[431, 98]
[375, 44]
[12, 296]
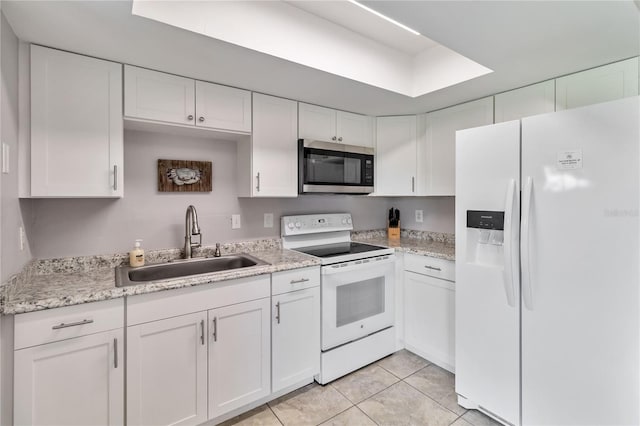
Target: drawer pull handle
[301, 280]
[115, 353]
[72, 324]
[432, 267]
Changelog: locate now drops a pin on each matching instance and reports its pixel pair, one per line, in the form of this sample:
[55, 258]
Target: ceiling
[523, 42]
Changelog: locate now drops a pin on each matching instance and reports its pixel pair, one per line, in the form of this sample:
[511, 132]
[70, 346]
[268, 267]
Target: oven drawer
[431, 266]
[295, 279]
[36, 328]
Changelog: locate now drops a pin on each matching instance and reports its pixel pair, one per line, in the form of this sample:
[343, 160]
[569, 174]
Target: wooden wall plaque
[184, 176]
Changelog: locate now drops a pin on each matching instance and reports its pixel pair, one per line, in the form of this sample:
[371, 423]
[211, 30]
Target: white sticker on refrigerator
[569, 160]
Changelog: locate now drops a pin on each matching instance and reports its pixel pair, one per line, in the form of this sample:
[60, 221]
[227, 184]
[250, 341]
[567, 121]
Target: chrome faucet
[191, 228]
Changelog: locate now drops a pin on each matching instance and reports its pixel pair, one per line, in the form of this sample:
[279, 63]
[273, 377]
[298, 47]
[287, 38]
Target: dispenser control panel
[482, 219]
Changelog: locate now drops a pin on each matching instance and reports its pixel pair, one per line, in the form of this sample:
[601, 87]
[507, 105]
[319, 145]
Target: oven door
[326, 167]
[357, 299]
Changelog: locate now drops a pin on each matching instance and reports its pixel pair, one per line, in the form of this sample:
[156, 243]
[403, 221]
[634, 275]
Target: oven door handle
[358, 264]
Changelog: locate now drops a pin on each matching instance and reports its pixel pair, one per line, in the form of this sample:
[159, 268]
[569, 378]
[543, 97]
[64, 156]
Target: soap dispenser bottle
[136, 256]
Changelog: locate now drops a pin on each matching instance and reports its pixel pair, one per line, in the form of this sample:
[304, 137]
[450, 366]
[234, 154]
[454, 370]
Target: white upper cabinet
[326, 124]
[396, 155]
[268, 162]
[166, 98]
[354, 129]
[436, 162]
[222, 107]
[76, 125]
[526, 101]
[157, 96]
[602, 84]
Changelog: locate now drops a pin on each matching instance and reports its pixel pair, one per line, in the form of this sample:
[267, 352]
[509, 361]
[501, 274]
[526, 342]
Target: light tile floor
[401, 389]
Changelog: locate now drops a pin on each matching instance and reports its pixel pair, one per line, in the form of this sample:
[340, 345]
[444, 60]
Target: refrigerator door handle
[508, 246]
[524, 244]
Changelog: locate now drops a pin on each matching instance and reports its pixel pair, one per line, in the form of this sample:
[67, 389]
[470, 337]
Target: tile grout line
[274, 413]
[431, 398]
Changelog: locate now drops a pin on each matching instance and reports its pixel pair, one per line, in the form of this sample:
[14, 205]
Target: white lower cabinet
[239, 355]
[429, 309]
[167, 371]
[296, 337]
[77, 381]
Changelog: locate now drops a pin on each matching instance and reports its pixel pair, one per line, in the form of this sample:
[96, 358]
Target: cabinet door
[396, 155]
[167, 371]
[76, 125]
[296, 337]
[239, 355]
[223, 107]
[429, 309]
[439, 167]
[157, 96]
[526, 101]
[354, 129]
[77, 381]
[316, 122]
[607, 83]
[275, 147]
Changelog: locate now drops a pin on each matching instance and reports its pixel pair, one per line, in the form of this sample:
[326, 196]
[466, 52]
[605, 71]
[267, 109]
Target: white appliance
[357, 291]
[547, 295]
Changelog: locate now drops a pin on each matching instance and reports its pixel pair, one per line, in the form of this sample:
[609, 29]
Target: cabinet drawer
[36, 328]
[296, 279]
[431, 266]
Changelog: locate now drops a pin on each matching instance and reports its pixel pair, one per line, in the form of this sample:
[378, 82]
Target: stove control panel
[315, 223]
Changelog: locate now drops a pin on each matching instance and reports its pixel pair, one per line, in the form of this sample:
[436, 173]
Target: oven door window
[360, 300]
[330, 167]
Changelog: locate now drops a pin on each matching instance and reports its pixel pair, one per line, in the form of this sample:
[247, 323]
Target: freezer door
[487, 274]
[580, 316]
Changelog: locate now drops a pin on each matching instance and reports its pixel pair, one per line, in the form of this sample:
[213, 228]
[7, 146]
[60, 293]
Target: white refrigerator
[547, 276]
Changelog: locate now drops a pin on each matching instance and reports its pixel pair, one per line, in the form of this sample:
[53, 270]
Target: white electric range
[357, 291]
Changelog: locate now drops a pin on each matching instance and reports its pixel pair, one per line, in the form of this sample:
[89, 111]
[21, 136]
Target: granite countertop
[432, 244]
[54, 283]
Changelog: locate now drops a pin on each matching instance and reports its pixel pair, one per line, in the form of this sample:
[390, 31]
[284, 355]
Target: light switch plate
[5, 158]
[235, 221]
[419, 216]
[268, 220]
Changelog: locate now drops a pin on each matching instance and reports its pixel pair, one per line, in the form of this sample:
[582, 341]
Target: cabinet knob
[190, 117]
[340, 139]
[201, 119]
[333, 138]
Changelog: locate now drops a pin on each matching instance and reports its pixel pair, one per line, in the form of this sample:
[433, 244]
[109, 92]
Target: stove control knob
[290, 225]
[344, 221]
[349, 221]
[298, 225]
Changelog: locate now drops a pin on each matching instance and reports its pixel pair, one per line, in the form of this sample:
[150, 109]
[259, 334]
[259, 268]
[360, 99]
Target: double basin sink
[128, 276]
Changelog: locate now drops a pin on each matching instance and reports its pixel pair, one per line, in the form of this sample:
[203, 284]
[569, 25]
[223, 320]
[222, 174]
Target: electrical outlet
[22, 237]
[419, 216]
[235, 221]
[268, 220]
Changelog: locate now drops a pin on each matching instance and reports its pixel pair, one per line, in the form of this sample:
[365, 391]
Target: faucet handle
[217, 253]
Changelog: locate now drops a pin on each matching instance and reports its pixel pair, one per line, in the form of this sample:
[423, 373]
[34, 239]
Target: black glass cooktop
[339, 249]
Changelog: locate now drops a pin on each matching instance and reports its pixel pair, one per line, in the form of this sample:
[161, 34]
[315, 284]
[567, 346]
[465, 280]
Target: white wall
[12, 210]
[70, 227]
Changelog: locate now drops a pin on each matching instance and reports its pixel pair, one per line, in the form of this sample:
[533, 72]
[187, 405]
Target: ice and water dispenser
[485, 237]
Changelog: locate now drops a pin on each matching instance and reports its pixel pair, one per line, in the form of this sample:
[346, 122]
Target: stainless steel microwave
[330, 168]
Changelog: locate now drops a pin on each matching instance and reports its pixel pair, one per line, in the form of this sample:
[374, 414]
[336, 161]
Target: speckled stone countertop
[424, 243]
[53, 283]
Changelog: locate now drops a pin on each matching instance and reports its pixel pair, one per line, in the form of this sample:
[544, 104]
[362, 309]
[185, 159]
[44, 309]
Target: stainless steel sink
[126, 275]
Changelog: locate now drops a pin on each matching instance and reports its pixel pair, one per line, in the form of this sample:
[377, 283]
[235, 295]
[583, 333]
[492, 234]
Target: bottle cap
[137, 244]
